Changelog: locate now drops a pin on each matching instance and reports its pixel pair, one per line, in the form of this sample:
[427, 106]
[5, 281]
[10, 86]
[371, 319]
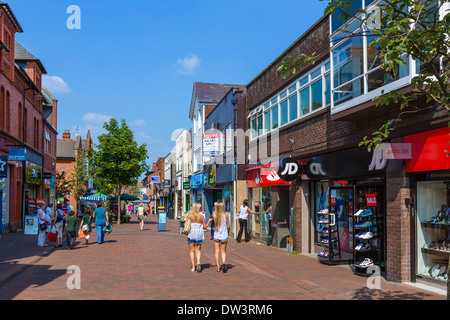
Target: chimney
[66, 135]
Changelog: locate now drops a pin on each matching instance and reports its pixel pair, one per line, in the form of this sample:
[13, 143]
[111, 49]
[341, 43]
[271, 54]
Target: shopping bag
[187, 227]
[52, 235]
[107, 229]
[80, 234]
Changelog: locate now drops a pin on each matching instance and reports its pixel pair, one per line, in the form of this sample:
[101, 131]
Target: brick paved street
[133, 265]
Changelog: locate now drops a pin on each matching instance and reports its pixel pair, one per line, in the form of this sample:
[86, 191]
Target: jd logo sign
[289, 169]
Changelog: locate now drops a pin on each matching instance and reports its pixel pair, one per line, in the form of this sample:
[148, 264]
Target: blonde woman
[221, 231]
[196, 236]
[141, 216]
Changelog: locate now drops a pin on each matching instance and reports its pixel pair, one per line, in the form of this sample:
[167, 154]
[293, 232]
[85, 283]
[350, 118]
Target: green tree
[118, 159]
[62, 184]
[403, 28]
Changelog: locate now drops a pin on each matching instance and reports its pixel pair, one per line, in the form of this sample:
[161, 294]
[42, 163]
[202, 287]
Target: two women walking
[196, 236]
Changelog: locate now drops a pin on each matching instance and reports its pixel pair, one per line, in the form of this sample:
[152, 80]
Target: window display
[433, 229]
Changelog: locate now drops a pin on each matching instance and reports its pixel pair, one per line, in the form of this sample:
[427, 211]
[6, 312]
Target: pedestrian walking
[141, 216]
[222, 229]
[44, 226]
[58, 222]
[71, 229]
[243, 221]
[101, 220]
[86, 225]
[196, 236]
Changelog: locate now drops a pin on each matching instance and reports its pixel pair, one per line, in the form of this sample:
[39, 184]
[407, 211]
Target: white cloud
[188, 64]
[55, 84]
[91, 117]
[139, 123]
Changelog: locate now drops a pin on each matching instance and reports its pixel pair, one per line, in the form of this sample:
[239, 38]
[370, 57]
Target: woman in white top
[141, 216]
[43, 218]
[196, 236]
[243, 220]
[221, 231]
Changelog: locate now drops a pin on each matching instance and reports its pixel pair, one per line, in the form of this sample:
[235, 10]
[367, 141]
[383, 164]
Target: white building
[183, 169]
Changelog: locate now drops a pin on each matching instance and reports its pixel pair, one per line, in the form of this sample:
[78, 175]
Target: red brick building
[21, 123]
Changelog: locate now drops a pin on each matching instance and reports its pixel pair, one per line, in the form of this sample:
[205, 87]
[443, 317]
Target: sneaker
[366, 247]
[367, 262]
[359, 246]
[366, 213]
[366, 224]
[358, 212]
[366, 235]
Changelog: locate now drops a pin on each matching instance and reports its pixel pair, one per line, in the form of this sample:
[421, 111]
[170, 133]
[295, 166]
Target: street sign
[187, 185]
[289, 245]
[154, 179]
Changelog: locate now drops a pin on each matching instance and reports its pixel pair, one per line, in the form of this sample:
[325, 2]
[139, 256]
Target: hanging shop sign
[212, 175]
[211, 144]
[265, 176]
[197, 181]
[3, 166]
[154, 179]
[428, 151]
[187, 185]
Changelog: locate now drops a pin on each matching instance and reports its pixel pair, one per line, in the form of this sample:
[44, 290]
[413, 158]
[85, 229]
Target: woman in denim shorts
[196, 236]
[221, 231]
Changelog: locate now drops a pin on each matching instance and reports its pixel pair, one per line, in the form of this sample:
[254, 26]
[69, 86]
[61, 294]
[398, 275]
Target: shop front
[268, 196]
[347, 207]
[4, 193]
[197, 188]
[429, 168]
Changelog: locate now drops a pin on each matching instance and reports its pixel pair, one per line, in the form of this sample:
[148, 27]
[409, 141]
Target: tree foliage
[118, 159]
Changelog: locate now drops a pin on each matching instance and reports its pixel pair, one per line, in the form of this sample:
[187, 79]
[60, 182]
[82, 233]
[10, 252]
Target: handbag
[43, 226]
[107, 229]
[85, 227]
[187, 227]
[80, 234]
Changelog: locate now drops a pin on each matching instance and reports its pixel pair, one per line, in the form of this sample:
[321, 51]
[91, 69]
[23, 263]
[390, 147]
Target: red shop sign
[333, 201]
[371, 199]
[265, 176]
[428, 151]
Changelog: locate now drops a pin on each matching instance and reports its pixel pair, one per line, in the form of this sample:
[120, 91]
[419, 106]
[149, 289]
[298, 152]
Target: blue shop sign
[197, 181]
[17, 154]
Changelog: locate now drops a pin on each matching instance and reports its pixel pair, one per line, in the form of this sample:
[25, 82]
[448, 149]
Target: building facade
[183, 170]
[349, 204]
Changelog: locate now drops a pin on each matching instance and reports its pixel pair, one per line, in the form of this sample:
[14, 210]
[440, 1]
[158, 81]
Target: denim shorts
[194, 241]
[225, 240]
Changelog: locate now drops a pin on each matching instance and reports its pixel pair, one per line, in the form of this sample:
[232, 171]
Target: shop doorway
[336, 230]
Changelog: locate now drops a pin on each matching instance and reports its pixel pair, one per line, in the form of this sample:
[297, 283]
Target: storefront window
[260, 202]
[433, 229]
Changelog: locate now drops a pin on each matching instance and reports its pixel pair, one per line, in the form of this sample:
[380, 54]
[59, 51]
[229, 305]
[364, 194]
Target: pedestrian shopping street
[152, 264]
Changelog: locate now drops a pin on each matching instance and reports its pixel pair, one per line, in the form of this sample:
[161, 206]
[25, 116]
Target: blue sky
[138, 59]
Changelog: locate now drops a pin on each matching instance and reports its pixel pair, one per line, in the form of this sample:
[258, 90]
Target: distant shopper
[196, 236]
[269, 215]
[222, 229]
[44, 226]
[212, 221]
[141, 216]
[243, 221]
[86, 225]
[71, 229]
[58, 222]
[49, 211]
[101, 220]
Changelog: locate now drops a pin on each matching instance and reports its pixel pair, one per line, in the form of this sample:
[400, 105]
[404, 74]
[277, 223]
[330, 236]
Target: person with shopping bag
[71, 229]
[58, 223]
[101, 220]
[44, 226]
[86, 225]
